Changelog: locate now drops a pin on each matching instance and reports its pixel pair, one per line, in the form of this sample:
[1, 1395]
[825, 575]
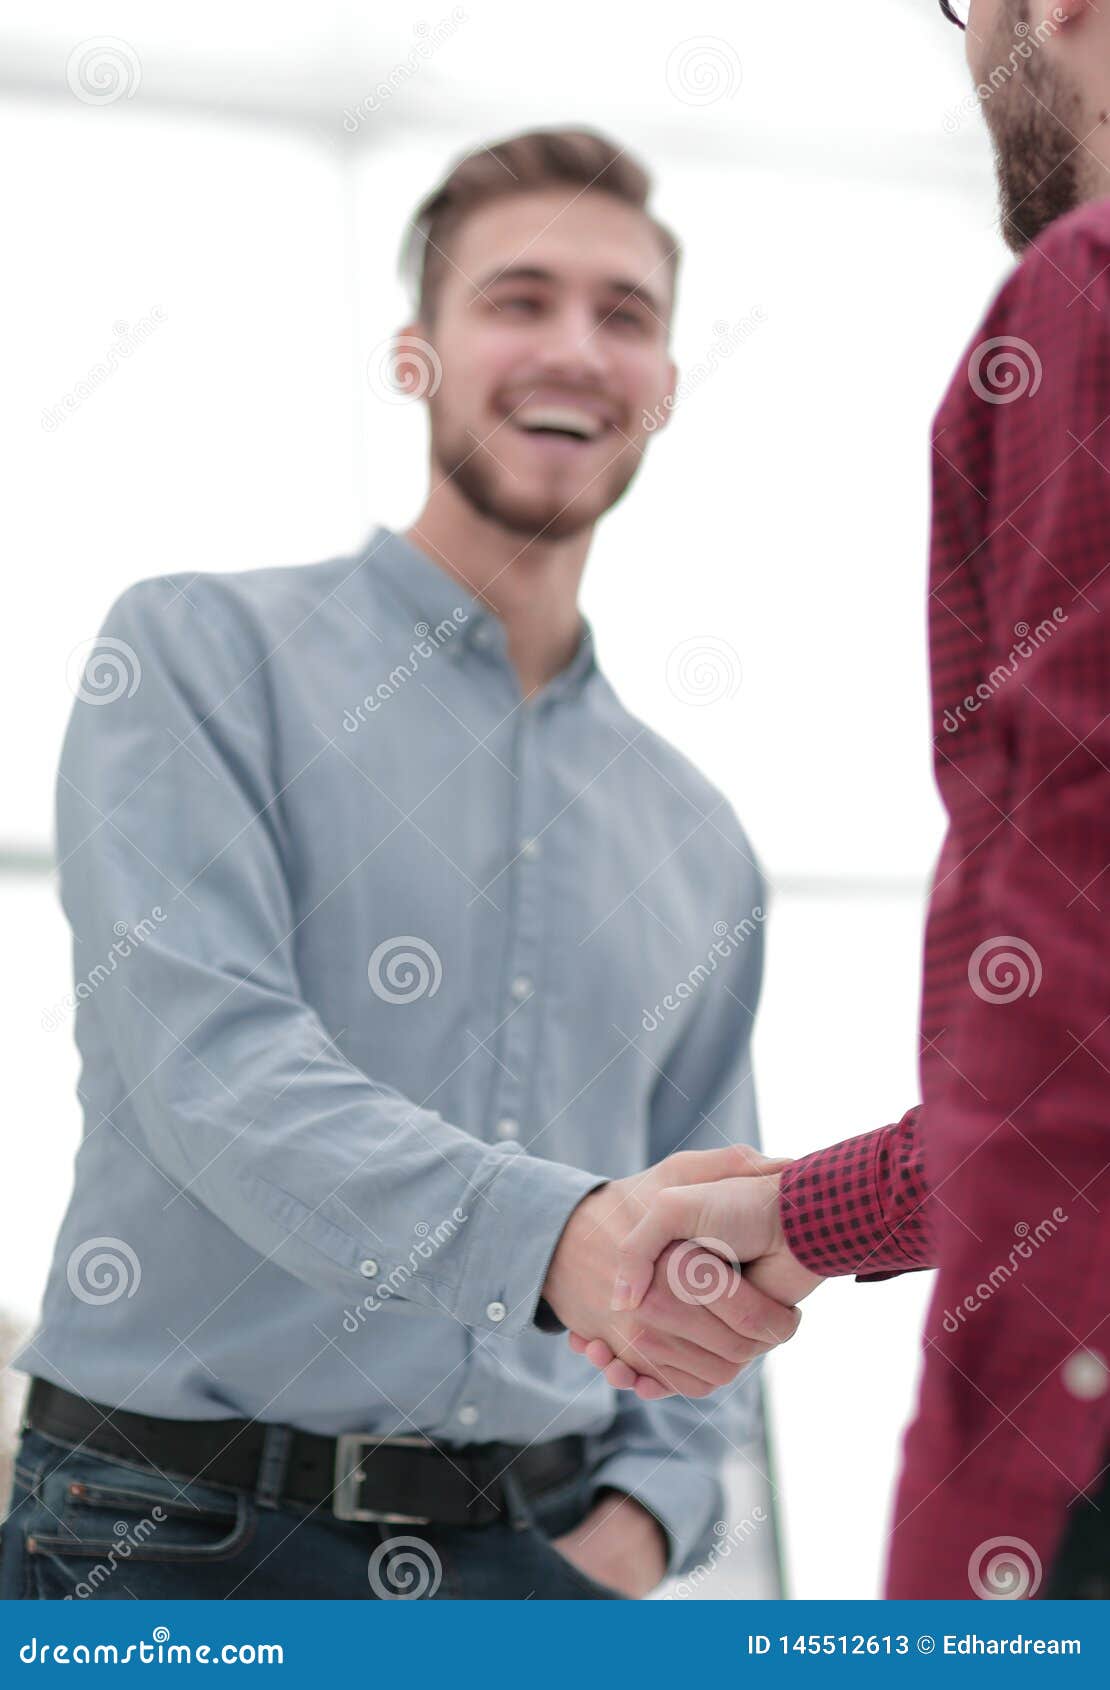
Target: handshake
[673, 1280]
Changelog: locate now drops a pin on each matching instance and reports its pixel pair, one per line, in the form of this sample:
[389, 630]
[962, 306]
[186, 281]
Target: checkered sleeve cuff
[861, 1206]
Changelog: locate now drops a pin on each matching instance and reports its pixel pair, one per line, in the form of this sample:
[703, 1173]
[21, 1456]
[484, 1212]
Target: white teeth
[564, 418]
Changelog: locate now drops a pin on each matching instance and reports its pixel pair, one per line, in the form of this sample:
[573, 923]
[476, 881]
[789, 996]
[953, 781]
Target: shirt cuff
[516, 1220]
[683, 1498]
[858, 1207]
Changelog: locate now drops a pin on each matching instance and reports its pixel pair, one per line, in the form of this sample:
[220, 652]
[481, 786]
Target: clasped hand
[674, 1280]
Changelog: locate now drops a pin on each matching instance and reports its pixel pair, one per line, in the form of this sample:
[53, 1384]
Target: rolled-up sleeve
[169, 826]
[861, 1206]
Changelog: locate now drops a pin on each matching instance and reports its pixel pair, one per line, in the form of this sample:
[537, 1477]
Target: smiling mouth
[561, 422]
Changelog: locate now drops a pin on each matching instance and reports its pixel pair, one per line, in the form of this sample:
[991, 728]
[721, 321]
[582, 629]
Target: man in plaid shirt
[1001, 1179]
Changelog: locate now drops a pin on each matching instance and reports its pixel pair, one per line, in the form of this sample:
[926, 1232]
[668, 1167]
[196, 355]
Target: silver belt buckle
[350, 1448]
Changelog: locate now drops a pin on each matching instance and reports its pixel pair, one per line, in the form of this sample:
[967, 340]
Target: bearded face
[551, 338]
[1033, 114]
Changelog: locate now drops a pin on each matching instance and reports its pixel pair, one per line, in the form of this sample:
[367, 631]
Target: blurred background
[202, 209]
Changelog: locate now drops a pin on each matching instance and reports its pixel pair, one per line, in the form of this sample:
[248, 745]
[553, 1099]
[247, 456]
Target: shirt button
[507, 1128]
[521, 988]
[368, 1268]
[468, 1414]
[482, 635]
[530, 849]
[496, 1311]
[1086, 1375]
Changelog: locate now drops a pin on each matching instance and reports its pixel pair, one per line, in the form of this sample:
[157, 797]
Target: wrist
[773, 1186]
[564, 1270]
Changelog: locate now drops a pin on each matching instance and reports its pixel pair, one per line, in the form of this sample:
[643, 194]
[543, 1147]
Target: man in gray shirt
[402, 950]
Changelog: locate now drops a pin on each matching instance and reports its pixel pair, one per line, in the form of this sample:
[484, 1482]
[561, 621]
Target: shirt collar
[430, 595]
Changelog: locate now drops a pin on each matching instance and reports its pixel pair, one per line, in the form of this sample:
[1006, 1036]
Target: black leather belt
[357, 1476]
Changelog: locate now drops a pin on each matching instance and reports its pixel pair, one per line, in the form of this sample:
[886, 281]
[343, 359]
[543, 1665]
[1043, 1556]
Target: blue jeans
[90, 1527]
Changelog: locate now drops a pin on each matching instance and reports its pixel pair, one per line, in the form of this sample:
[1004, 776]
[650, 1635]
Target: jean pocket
[91, 1509]
[580, 1583]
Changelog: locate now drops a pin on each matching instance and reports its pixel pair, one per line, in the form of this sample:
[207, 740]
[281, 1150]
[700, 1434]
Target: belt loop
[517, 1506]
[273, 1465]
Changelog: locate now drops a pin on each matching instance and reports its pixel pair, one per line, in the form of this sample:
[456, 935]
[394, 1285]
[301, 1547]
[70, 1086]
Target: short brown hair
[539, 158]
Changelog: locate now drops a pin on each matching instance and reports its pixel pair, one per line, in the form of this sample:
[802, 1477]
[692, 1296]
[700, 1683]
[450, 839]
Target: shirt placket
[518, 1006]
[521, 1003]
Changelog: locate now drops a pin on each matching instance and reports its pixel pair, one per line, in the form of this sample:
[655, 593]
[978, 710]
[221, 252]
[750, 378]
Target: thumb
[671, 1214]
[699, 1167]
[755, 1162]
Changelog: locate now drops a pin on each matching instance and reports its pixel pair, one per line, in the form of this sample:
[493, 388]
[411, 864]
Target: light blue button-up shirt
[379, 969]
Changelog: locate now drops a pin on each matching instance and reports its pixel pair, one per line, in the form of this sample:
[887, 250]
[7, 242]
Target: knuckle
[669, 1172]
[724, 1370]
[741, 1351]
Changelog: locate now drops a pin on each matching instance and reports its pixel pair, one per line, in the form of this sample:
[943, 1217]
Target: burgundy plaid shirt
[1002, 1179]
